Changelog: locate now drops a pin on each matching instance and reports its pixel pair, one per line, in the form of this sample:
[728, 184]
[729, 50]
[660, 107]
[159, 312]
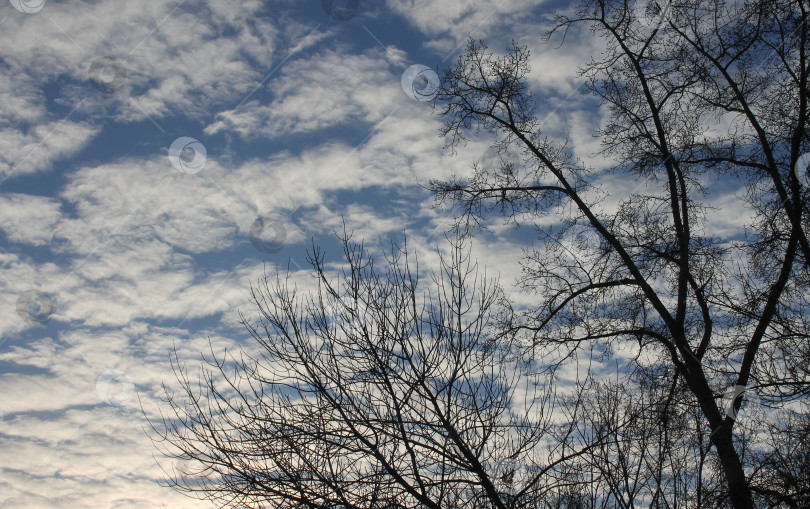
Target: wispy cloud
[304, 121]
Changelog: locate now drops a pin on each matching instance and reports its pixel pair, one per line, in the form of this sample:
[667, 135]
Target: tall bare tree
[378, 390]
[709, 314]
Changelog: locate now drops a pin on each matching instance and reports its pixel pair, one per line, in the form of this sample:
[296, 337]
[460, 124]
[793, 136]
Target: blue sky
[115, 249]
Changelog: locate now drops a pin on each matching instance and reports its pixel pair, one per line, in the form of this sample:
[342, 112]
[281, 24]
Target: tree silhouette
[707, 314]
[382, 390]
[377, 390]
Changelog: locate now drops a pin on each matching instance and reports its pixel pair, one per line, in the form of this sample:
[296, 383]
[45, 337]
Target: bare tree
[708, 314]
[377, 390]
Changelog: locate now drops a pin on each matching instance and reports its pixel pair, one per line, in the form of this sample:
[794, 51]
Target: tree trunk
[722, 438]
[738, 489]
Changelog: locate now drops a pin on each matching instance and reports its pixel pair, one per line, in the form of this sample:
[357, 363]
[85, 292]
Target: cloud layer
[306, 127]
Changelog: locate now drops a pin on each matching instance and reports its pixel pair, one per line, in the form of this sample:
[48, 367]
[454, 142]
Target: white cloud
[24, 151]
[62, 445]
[330, 88]
[98, 458]
[449, 24]
[143, 253]
[29, 219]
[179, 59]
[23, 100]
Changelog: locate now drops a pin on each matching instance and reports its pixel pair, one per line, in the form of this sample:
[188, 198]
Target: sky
[157, 156]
